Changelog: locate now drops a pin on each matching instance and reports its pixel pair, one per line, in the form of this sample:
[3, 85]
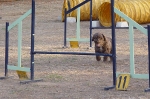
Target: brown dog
[102, 45]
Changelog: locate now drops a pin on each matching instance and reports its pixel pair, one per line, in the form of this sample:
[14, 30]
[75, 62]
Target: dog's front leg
[106, 52]
[98, 58]
[106, 57]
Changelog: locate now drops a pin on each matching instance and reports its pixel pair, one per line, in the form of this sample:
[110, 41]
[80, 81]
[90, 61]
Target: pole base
[107, 88]
[1, 78]
[147, 90]
[5, 77]
[29, 81]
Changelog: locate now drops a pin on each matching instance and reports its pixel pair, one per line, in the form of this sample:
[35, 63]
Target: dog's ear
[94, 36]
[104, 37]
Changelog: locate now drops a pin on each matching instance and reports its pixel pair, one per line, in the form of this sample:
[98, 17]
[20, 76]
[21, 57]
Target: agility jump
[33, 52]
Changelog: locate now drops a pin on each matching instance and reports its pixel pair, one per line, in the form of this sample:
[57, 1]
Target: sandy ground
[66, 76]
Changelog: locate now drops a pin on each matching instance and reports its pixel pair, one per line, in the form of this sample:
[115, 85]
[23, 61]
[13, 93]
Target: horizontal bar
[80, 40]
[115, 27]
[139, 76]
[11, 67]
[71, 53]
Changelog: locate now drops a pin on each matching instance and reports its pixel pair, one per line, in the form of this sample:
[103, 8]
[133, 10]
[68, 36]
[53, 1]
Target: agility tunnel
[84, 10]
[138, 10]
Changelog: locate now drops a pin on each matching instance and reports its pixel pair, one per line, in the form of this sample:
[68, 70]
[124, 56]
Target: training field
[66, 76]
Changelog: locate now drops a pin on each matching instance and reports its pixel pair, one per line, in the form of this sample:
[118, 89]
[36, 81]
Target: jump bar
[71, 53]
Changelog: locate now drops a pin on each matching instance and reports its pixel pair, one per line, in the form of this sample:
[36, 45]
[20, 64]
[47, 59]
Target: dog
[102, 45]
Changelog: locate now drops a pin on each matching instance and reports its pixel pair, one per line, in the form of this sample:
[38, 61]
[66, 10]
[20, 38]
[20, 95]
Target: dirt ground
[66, 76]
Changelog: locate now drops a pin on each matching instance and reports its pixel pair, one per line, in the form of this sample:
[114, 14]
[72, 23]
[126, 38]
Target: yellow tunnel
[84, 10]
[138, 10]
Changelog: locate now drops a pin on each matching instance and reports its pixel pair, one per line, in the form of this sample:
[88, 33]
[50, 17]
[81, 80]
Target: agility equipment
[18, 22]
[78, 34]
[71, 19]
[74, 44]
[122, 24]
[33, 52]
[21, 71]
[113, 55]
[138, 10]
[22, 75]
[84, 10]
